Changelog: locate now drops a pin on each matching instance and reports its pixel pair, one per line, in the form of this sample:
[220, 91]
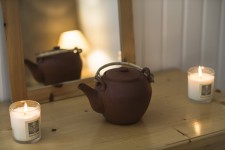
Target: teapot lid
[132, 72]
[57, 50]
[122, 74]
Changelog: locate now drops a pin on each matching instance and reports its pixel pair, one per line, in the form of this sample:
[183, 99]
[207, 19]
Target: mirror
[15, 52]
[51, 29]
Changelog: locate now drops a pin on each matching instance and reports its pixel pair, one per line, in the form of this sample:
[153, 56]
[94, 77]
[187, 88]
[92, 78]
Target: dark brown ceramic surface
[122, 94]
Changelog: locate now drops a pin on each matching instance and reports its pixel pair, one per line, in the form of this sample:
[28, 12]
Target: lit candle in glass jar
[201, 83]
[25, 117]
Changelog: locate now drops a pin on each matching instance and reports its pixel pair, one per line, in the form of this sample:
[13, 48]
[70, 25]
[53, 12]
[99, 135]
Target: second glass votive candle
[25, 117]
[201, 83]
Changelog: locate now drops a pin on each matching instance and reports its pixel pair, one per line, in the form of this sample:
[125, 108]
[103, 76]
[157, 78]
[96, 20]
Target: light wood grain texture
[14, 49]
[66, 90]
[16, 54]
[169, 123]
[126, 31]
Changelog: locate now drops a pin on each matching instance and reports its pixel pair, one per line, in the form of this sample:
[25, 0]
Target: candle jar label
[206, 90]
[33, 129]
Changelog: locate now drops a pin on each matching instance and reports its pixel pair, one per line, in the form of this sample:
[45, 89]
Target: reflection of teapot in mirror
[61, 22]
[56, 66]
[122, 94]
[16, 47]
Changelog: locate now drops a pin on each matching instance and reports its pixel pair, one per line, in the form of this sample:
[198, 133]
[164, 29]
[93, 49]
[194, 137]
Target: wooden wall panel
[180, 34]
[192, 30]
[210, 33]
[221, 58]
[172, 25]
[152, 38]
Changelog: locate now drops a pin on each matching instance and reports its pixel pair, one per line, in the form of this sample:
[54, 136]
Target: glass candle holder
[201, 83]
[25, 117]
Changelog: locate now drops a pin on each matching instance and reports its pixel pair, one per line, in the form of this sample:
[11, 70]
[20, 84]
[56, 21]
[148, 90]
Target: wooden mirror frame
[15, 54]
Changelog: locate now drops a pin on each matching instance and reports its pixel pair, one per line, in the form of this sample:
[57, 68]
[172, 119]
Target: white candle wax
[25, 123]
[200, 87]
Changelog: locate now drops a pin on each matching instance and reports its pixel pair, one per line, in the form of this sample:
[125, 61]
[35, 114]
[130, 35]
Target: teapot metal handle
[145, 70]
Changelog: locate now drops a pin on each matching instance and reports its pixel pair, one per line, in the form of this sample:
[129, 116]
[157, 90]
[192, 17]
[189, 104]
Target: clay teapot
[56, 66]
[121, 94]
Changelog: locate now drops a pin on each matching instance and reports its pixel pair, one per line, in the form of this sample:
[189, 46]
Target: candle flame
[200, 71]
[25, 107]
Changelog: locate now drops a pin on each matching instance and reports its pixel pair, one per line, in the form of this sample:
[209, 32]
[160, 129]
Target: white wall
[4, 80]
[181, 34]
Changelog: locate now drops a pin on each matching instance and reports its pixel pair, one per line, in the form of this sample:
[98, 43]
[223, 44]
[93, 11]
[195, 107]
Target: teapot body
[122, 94]
[60, 67]
[56, 66]
[125, 93]
[126, 103]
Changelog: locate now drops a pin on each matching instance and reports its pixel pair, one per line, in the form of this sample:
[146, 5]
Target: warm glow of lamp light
[197, 127]
[97, 59]
[72, 39]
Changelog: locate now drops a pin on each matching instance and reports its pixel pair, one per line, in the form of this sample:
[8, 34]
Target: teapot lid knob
[123, 69]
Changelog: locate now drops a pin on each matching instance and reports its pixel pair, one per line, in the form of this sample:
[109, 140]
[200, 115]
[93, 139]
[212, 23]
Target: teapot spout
[36, 72]
[93, 97]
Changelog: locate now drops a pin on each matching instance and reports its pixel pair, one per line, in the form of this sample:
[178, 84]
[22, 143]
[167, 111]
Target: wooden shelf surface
[172, 120]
